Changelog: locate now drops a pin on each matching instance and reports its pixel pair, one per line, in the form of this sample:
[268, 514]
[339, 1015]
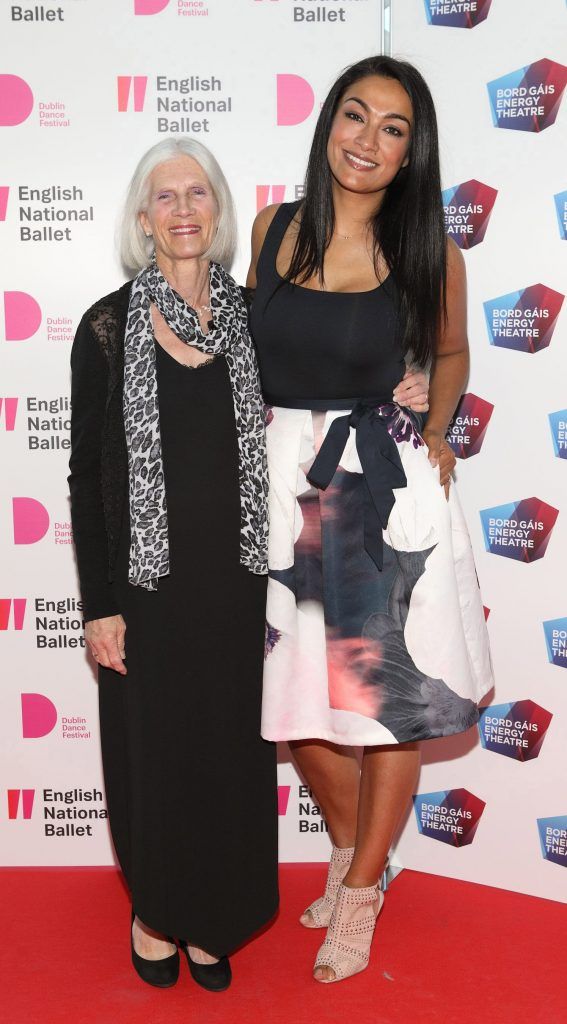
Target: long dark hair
[408, 228]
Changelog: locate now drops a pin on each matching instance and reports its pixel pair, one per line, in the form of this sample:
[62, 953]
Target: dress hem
[330, 737]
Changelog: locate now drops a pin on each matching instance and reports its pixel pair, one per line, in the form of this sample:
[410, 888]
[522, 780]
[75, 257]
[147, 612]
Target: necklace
[361, 236]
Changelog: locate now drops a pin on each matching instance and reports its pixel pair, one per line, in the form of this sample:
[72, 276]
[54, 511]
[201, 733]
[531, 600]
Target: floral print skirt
[354, 654]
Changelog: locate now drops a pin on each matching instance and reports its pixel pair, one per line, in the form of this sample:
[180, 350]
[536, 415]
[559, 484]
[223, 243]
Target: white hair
[135, 249]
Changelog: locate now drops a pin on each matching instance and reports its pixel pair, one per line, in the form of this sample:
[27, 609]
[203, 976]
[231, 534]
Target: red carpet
[444, 951]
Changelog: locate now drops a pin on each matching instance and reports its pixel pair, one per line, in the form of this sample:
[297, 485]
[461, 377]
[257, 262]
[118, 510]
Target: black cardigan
[98, 480]
[98, 465]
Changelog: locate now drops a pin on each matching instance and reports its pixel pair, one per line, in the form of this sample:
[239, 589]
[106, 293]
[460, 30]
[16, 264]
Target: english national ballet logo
[12, 613]
[558, 426]
[555, 631]
[20, 803]
[8, 413]
[523, 320]
[519, 530]
[528, 99]
[22, 316]
[131, 92]
[515, 730]
[268, 194]
[4, 195]
[457, 13]
[467, 211]
[283, 799]
[561, 210]
[450, 817]
[468, 427]
[295, 100]
[553, 839]
[16, 100]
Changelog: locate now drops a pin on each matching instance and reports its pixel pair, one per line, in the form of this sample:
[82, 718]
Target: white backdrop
[82, 94]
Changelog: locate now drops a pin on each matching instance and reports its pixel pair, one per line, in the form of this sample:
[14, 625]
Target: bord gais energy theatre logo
[467, 211]
[558, 426]
[523, 320]
[468, 427]
[560, 208]
[457, 13]
[516, 730]
[451, 816]
[555, 631]
[519, 530]
[528, 99]
[553, 839]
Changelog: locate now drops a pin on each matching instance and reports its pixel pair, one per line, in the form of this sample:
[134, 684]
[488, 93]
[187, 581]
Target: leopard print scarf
[229, 335]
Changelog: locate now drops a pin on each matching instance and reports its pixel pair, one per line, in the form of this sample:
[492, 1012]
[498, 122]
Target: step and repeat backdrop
[86, 86]
[492, 806]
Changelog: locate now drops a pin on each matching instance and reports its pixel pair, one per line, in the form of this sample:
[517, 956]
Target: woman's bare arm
[451, 360]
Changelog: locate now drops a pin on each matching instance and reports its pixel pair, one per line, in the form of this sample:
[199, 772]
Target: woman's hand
[440, 454]
[413, 390]
[105, 638]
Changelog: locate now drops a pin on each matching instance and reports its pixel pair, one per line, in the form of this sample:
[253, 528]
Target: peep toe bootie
[322, 909]
[346, 949]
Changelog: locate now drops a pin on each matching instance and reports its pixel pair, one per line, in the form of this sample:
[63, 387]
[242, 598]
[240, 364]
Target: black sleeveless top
[322, 345]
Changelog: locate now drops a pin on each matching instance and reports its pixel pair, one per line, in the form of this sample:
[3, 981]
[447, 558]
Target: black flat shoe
[214, 977]
[160, 973]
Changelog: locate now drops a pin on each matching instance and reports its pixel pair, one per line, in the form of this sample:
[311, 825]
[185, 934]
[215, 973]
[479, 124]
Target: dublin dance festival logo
[527, 100]
[519, 530]
[39, 715]
[295, 99]
[150, 6]
[516, 730]
[16, 100]
[467, 211]
[523, 320]
[22, 316]
[457, 13]
[451, 816]
[468, 427]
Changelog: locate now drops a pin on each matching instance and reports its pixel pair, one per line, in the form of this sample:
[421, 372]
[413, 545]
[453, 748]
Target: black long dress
[191, 786]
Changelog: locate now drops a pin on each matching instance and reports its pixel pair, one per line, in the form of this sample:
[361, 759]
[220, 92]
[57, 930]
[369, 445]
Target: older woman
[168, 491]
